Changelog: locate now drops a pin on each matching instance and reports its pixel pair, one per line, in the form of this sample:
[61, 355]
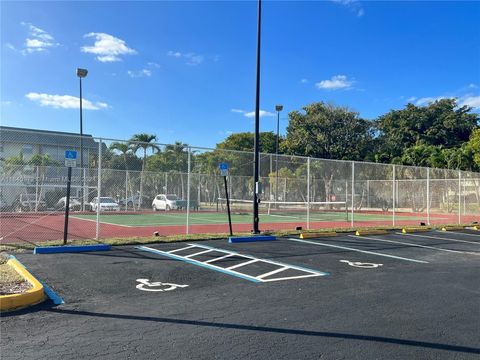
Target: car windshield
[106, 200]
[172, 197]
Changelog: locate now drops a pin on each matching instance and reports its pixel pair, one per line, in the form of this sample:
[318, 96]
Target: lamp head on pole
[81, 73]
[278, 107]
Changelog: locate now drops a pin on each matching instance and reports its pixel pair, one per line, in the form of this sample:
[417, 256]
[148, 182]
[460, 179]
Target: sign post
[224, 172]
[70, 161]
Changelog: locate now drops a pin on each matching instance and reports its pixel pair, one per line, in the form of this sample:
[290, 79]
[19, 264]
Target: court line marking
[102, 222]
[229, 270]
[358, 250]
[415, 245]
[440, 238]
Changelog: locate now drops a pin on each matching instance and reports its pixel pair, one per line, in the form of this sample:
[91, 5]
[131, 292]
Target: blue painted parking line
[304, 272]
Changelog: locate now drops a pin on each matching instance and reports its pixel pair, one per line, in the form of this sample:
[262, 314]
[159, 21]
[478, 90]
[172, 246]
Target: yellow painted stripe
[316, 235]
[414, 230]
[32, 296]
[370, 232]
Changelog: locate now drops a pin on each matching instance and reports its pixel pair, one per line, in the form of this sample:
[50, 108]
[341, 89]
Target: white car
[165, 202]
[106, 204]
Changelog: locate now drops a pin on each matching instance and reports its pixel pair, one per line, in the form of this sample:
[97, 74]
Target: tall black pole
[257, 126]
[81, 148]
[67, 206]
[228, 206]
[276, 158]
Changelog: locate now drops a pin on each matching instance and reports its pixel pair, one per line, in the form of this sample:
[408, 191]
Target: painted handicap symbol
[146, 285]
[362, 265]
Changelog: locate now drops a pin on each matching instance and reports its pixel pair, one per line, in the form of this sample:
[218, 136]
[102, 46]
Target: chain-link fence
[127, 189]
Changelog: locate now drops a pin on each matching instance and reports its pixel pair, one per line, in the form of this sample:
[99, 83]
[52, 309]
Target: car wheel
[130, 204]
[167, 208]
[154, 208]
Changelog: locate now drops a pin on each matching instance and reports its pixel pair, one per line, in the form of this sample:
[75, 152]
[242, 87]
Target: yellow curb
[414, 230]
[32, 296]
[315, 235]
[452, 228]
[370, 232]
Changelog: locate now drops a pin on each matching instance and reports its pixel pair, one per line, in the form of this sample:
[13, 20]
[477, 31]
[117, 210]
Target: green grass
[202, 218]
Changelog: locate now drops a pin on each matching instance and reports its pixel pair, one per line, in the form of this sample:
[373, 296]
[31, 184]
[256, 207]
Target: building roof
[45, 137]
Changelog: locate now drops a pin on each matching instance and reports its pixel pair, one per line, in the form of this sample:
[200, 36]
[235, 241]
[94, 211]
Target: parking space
[395, 295]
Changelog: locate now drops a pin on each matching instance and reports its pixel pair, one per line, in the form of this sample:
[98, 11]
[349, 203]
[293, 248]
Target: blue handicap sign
[70, 154]
[223, 166]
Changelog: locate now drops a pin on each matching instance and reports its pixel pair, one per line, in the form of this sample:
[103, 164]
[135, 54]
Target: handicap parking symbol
[362, 265]
[146, 285]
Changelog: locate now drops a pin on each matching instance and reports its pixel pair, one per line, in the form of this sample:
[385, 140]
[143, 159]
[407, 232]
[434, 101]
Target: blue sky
[186, 70]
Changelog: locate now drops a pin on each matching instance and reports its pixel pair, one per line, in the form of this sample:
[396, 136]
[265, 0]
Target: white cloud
[139, 73]
[353, 5]
[428, 100]
[472, 86]
[64, 101]
[471, 100]
[153, 65]
[411, 99]
[174, 53]
[38, 40]
[191, 58]
[251, 114]
[108, 48]
[337, 82]
[304, 81]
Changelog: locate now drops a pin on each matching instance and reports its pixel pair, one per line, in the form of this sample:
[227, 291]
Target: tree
[244, 141]
[441, 123]
[145, 142]
[473, 145]
[329, 132]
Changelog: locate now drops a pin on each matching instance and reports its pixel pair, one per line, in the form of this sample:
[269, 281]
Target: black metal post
[276, 158]
[256, 229]
[67, 205]
[81, 150]
[228, 206]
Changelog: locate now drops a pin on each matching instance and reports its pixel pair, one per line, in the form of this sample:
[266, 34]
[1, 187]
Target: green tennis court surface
[180, 218]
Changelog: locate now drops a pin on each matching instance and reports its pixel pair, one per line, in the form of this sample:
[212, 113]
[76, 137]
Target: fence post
[352, 223]
[393, 196]
[188, 189]
[126, 189]
[99, 187]
[308, 193]
[428, 196]
[459, 196]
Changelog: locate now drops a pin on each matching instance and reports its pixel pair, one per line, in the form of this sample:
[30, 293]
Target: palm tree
[124, 148]
[143, 141]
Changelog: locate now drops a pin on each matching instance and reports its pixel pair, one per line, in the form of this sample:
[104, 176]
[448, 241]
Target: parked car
[75, 204]
[165, 202]
[132, 201]
[29, 202]
[106, 204]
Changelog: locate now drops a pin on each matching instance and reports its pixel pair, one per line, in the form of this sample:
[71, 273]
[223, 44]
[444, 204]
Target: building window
[27, 149]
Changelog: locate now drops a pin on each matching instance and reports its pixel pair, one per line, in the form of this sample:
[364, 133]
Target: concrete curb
[70, 249]
[361, 232]
[33, 296]
[316, 235]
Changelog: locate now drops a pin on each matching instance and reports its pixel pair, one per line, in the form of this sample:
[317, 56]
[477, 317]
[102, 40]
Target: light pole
[278, 108]
[256, 174]
[81, 73]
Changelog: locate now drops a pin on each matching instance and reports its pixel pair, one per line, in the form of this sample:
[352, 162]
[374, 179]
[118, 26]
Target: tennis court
[200, 218]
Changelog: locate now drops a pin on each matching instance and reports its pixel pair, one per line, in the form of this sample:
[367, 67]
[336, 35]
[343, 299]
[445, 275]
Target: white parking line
[440, 238]
[358, 250]
[230, 270]
[198, 253]
[456, 232]
[415, 245]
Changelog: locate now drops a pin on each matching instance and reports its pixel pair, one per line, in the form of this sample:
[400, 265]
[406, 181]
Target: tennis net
[290, 210]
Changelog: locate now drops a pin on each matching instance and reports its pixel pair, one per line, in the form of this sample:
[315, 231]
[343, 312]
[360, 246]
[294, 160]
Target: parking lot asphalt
[394, 296]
